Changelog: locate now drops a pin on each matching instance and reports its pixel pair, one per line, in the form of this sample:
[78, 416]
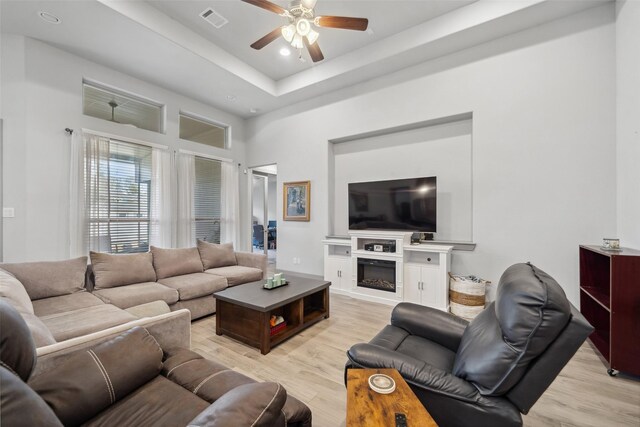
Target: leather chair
[258, 236]
[489, 371]
[126, 382]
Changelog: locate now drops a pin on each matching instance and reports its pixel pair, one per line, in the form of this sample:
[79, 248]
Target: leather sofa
[489, 371]
[132, 381]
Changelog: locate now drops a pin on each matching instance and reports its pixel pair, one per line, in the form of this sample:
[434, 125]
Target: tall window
[119, 191]
[207, 199]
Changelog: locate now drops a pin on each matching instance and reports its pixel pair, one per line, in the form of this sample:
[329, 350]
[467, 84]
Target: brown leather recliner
[130, 381]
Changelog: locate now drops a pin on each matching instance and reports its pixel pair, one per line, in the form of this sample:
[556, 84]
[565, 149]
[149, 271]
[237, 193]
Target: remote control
[401, 420]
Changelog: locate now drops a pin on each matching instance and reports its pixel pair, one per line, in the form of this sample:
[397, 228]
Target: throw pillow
[111, 271]
[50, 279]
[14, 292]
[176, 262]
[214, 255]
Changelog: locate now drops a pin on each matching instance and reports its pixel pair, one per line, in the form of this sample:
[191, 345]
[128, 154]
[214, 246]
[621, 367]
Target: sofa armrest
[248, 259]
[170, 330]
[414, 371]
[249, 405]
[430, 323]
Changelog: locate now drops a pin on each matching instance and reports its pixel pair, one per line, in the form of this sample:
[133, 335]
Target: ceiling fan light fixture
[303, 27]
[288, 31]
[309, 4]
[312, 37]
[297, 42]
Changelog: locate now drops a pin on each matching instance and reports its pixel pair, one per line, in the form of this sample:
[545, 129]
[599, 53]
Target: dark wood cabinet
[610, 301]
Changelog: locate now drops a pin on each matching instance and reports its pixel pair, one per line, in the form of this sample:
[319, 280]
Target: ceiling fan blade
[314, 51]
[267, 39]
[265, 4]
[344, 22]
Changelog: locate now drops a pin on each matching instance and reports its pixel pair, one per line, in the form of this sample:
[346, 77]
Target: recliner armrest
[430, 323]
[414, 371]
[250, 405]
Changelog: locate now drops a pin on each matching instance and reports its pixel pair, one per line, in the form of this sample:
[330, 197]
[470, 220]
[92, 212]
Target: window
[119, 197]
[119, 107]
[207, 199]
[202, 131]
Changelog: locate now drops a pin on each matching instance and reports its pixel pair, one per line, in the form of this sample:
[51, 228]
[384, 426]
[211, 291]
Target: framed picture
[296, 200]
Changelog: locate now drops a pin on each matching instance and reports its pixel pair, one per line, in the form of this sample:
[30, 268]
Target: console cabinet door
[332, 272]
[412, 284]
[430, 294]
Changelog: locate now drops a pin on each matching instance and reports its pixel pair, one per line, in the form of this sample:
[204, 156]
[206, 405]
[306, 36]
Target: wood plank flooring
[310, 366]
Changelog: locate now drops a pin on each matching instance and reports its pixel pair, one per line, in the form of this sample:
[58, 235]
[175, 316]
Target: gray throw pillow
[111, 271]
[46, 279]
[176, 262]
[214, 255]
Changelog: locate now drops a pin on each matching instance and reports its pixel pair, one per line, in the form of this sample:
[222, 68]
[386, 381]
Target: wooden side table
[365, 407]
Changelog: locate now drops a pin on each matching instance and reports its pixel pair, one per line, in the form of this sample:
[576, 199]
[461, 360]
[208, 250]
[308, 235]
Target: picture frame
[296, 201]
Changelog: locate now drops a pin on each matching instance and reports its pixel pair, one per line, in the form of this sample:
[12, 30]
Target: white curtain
[185, 230]
[77, 215]
[230, 209]
[161, 199]
[94, 226]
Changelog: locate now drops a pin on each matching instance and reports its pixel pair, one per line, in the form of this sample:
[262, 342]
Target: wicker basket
[466, 295]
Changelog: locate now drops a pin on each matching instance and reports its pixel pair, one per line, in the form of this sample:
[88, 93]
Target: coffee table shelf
[243, 312]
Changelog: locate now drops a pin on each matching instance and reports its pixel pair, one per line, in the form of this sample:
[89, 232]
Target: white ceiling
[168, 44]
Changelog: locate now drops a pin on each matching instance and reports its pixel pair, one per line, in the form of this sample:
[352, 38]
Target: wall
[628, 121]
[257, 214]
[443, 151]
[42, 94]
[272, 198]
[543, 104]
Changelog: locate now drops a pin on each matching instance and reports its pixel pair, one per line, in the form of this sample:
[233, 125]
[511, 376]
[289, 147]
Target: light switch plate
[8, 212]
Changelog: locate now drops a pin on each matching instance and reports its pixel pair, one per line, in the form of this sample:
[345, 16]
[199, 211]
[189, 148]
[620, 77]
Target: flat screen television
[399, 204]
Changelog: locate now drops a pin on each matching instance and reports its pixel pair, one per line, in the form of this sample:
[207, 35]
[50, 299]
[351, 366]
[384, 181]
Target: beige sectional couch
[67, 300]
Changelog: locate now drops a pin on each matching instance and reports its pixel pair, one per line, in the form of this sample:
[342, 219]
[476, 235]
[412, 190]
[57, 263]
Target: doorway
[264, 224]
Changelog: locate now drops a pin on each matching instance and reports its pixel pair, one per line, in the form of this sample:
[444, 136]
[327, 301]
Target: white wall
[544, 157]
[628, 121]
[42, 94]
[257, 204]
[272, 198]
[443, 151]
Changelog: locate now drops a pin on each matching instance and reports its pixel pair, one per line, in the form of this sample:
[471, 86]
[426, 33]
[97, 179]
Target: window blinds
[207, 197]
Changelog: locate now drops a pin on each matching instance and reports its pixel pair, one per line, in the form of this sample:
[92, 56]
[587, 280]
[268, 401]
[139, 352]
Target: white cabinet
[337, 265]
[421, 286]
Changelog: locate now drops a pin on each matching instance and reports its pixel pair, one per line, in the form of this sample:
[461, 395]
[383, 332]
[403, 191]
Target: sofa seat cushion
[214, 255]
[176, 262]
[123, 269]
[159, 403]
[136, 294]
[237, 274]
[50, 279]
[195, 285]
[64, 303]
[84, 321]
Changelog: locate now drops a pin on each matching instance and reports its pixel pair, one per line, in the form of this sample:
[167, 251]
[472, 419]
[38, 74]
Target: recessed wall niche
[441, 148]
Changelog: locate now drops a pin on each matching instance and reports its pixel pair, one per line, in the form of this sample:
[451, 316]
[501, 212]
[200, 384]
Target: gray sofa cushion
[123, 269]
[39, 331]
[176, 262]
[237, 274]
[195, 285]
[530, 311]
[136, 294]
[63, 303]
[12, 290]
[84, 321]
[49, 279]
[214, 255]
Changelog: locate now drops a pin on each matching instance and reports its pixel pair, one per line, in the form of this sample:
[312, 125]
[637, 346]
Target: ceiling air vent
[214, 18]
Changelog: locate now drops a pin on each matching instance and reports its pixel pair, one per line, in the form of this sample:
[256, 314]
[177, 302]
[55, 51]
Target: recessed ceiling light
[48, 17]
[285, 51]
[231, 97]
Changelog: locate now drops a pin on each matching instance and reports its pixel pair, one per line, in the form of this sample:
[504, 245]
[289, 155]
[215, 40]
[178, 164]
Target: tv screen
[399, 204]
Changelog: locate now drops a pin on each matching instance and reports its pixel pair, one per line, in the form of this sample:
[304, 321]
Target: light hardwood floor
[310, 366]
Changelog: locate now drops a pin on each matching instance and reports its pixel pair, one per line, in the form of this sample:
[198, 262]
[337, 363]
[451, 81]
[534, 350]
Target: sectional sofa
[69, 304]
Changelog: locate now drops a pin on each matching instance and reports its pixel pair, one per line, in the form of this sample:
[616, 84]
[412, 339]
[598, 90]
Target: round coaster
[382, 384]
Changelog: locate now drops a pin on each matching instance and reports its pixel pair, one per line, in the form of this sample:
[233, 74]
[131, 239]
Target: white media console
[413, 273]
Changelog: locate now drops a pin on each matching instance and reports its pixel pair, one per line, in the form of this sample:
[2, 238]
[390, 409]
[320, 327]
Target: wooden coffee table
[243, 311]
[365, 407]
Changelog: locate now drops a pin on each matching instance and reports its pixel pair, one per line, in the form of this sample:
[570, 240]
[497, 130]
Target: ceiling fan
[299, 32]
